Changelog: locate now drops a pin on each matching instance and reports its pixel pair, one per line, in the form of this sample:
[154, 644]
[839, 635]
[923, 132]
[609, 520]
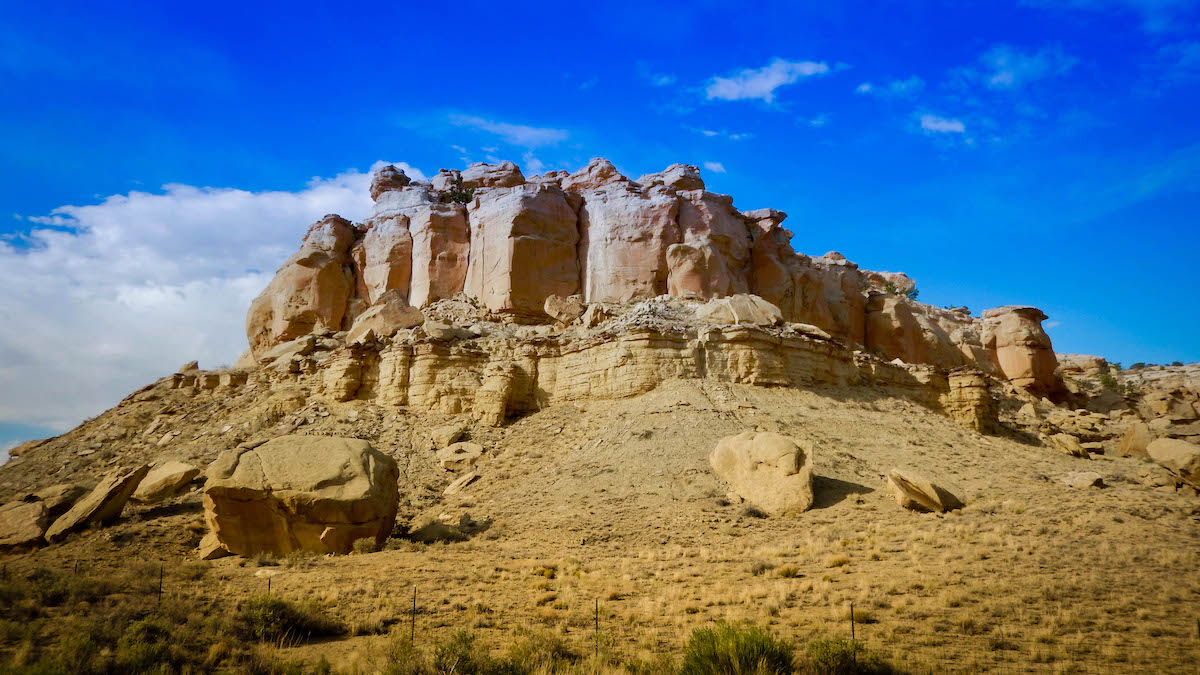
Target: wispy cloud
[761, 83]
[906, 88]
[513, 134]
[941, 125]
[819, 121]
[533, 165]
[715, 167]
[713, 133]
[1007, 67]
[655, 79]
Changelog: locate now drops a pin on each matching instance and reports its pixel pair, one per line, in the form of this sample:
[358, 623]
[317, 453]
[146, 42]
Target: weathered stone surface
[564, 310]
[1179, 457]
[437, 330]
[388, 178]
[459, 456]
[384, 319]
[311, 290]
[448, 434]
[460, 484]
[677, 177]
[741, 309]
[1082, 479]
[164, 482]
[523, 249]
[1013, 335]
[189, 366]
[58, 498]
[502, 175]
[713, 258]
[102, 506]
[293, 493]
[383, 258]
[1068, 444]
[22, 524]
[767, 469]
[25, 447]
[917, 493]
[969, 402]
[441, 244]
[1136, 439]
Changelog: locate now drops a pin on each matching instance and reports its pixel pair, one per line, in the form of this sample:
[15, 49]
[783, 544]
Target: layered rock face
[509, 242]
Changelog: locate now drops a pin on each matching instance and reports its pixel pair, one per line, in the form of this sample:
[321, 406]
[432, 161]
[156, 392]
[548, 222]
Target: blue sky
[1039, 152]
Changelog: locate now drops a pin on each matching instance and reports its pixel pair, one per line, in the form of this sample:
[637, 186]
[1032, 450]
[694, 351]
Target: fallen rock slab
[22, 525]
[1082, 479]
[1136, 439]
[740, 309]
[448, 434]
[299, 493]
[164, 482]
[917, 493]
[459, 484]
[1070, 445]
[102, 506]
[769, 470]
[459, 456]
[564, 310]
[1179, 457]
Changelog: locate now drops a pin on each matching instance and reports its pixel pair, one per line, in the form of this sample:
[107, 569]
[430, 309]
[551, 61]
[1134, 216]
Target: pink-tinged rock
[598, 173]
[899, 328]
[480, 175]
[897, 283]
[1020, 348]
[841, 284]
[441, 244]
[772, 259]
[678, 177]
[310, 291]
[383, 319]
[624, 235]
[383, 258]
[523, 249]
[719, 261]
[388, 178]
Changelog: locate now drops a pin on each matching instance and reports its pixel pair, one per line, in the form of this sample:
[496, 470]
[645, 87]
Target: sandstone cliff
[515, 241]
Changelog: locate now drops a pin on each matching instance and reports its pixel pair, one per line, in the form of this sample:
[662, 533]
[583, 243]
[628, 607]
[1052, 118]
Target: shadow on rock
[830, 491]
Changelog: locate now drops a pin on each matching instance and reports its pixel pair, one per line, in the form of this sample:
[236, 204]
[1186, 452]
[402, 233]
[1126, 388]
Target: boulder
[444, 332]
[917, 493]
[22, 525]
[677, 177]
[741, 309]
[1136, 439]
[58, 498]
[1179, 457]
[386, 179]
[564, 310]
[459, 456]
[102, 506]
[25, 447]
[189, 366]
[767, 469]
[481, 175]
[448, 434]
[164, 482]
[1082, 479]
[594, 316]
[293, 493]
[1068, 444]
[385, 318]
[459, 484]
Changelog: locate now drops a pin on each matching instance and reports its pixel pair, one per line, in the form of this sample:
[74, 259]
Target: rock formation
[102, 506]
[514, 243]
[771, 471]
[917, 493]
[297, 493]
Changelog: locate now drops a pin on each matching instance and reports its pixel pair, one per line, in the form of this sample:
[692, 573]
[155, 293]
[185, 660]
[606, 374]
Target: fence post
[853, 639]
[160, 579]
[412, 637]
[597, 628]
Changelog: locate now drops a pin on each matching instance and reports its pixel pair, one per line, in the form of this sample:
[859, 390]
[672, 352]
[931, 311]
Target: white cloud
[1007, 67]
[513, 134]
[459, 149]
[715, 167]
[734, 136]
[819, 121]
[906, 88]
[141, 284]
[761, 83]
[588, 84]
[942, 125]
[533, 165]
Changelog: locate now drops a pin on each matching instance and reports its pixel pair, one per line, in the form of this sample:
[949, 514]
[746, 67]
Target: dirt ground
[607, 513]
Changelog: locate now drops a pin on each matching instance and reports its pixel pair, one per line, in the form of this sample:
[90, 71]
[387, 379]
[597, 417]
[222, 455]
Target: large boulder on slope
[769, 470]
[22, 524]
[1179, 457]
[165, 481]
[58, 498]
[741, 309]
[385, 318]
[299, 493]
[102, 506]
[1136, 439]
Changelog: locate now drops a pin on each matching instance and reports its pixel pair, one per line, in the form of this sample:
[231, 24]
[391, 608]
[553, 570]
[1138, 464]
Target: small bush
[840, 656]
[761, 567]
[789, 572]
[731, 648]
[457, 194]
[754, 512]
[365, 545]
[270, 618]
[144, 645]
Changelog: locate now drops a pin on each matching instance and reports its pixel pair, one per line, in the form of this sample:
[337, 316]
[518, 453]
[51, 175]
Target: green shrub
[145, 645]
[733, 649]
[271, 618]
[457, 194]
[840, 656]
[540, 653]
